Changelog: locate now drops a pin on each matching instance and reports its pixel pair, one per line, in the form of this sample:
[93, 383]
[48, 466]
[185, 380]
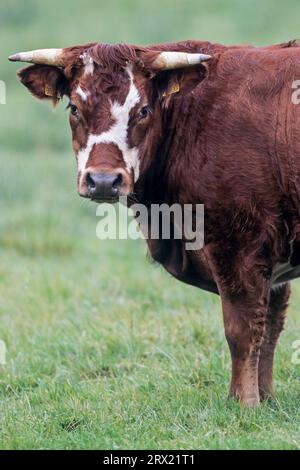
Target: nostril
[102, 186]
[117, 182]
[90, 181]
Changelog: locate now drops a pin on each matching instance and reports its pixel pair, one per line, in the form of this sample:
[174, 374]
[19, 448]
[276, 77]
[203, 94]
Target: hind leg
[274, 325]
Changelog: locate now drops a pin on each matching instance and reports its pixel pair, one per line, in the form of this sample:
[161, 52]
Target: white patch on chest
[117, 134]
[83, 95]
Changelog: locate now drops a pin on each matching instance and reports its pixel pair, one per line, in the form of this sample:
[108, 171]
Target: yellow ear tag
[49, 91]
[175, 88]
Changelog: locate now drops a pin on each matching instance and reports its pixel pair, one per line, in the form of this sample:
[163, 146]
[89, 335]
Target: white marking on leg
[117, 134]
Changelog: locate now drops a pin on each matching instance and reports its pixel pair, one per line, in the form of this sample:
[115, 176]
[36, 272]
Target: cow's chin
[120, 197]
[109, 200]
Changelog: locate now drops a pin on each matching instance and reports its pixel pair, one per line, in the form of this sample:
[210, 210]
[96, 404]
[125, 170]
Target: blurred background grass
[105, 350]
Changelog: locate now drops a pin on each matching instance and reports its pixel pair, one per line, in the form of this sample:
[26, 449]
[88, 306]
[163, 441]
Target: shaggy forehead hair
[112, 58]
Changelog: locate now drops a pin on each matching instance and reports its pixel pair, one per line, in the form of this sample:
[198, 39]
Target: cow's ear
[45, 82]
[172, 83]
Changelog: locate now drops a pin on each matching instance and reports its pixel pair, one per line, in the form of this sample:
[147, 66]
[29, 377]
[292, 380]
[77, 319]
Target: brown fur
[229, 139]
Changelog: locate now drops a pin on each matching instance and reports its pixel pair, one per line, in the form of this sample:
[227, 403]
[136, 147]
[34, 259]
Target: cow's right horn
[40, 56]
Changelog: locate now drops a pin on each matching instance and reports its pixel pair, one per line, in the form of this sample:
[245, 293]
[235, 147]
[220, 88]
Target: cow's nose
[103, 185]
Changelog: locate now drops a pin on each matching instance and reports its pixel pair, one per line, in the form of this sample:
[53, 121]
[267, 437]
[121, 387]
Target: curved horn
[175, 60]
[40, 56]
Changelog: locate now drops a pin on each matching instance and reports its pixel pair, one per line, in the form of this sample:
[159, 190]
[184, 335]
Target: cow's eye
[73, 109]
[144, 112]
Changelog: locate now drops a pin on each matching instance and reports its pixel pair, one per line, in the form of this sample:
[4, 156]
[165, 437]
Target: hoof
[251, 402]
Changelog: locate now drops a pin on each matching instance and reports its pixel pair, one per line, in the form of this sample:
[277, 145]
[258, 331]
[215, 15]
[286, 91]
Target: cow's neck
[171, 171]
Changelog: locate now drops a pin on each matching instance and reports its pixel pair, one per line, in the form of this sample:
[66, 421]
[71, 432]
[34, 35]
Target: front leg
[244, 287]
[244, 322]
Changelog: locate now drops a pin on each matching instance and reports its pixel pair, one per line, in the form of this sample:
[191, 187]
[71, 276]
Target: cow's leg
[244, 322]
[243, 277]
[274, 326]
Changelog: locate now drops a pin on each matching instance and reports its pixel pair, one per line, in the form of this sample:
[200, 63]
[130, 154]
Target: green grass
[105, 350]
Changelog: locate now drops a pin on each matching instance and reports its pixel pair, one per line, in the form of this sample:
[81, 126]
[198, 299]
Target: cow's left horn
[40, 56]
[176, 60]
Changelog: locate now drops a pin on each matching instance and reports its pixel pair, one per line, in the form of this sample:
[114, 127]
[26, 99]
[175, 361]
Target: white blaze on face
[88, 64]
[117, 134]
[83, 95]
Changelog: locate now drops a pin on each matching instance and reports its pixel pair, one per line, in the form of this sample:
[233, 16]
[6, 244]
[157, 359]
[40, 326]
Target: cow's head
[117, 94]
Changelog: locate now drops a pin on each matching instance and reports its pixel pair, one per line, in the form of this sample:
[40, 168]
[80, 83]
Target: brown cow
[195, 122]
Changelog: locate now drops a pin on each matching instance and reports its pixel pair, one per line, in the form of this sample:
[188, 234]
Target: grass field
[105, 350]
